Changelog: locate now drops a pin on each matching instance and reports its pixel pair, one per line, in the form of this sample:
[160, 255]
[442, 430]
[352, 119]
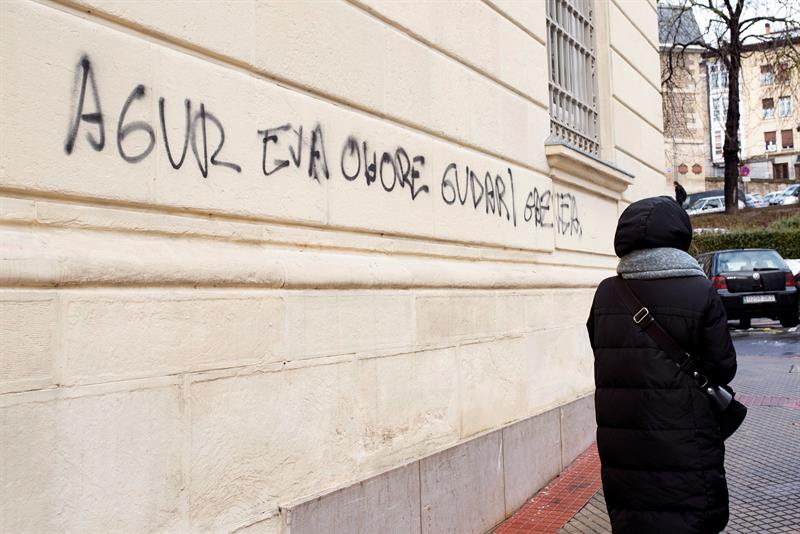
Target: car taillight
[790, 281]
[719, 282]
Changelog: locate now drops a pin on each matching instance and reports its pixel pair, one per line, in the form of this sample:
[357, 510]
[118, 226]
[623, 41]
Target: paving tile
[552, 507]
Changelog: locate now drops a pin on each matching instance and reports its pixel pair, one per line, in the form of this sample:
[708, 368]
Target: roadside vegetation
[746, 219]
[776, 227]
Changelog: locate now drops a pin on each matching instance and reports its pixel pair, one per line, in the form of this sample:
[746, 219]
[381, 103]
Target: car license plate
[757, 299]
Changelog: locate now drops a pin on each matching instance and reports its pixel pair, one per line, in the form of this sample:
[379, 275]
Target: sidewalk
[762, 463]
[560, 500]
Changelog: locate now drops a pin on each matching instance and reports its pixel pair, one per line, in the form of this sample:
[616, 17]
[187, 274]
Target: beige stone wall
[200, 325]
[636, 128]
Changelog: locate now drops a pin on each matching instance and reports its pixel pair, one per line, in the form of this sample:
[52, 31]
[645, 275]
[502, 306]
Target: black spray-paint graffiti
[86, 75]
[285, 146]
[492, 191]
[537, 208]
[567, 215]
[318, 161]
[196, 130]
[405, 170]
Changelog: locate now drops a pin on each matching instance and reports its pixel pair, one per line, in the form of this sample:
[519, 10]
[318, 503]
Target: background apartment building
[771, 126]
[695, 88]
[310, 266]
[769, 117]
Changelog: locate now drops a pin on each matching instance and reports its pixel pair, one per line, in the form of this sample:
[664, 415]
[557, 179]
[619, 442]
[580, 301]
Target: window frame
[784, 146]
[573, 99]
[774, 144]
[784, 110]
[784, 171]
[767, 75]
[768, 112]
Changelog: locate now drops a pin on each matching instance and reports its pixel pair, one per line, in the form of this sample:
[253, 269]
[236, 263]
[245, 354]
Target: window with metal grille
[573, 97]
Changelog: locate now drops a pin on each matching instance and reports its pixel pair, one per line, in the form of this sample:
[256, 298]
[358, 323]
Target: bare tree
[727, 37]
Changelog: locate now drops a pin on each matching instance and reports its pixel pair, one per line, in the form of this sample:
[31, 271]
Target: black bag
[728, 412]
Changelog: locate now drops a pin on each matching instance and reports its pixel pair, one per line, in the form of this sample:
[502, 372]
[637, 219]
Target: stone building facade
[695, 100]
[684, 84]
[312, 266]
[770, 106]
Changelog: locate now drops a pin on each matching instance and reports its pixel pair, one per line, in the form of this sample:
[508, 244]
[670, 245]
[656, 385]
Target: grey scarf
[653, 263]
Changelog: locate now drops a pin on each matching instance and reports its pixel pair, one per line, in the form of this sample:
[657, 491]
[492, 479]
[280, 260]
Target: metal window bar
[573, 101]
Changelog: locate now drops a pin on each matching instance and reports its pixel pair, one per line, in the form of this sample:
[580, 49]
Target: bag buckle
[687, 363]
[702, 380]
[641, 315]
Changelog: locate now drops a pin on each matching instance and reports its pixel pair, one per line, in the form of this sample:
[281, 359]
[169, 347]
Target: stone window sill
[578, 168]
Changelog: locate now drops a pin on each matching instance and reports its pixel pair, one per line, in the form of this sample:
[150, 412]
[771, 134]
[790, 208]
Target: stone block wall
[256, 255]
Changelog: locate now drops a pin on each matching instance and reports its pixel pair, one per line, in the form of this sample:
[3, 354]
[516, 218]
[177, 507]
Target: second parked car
[753, 283]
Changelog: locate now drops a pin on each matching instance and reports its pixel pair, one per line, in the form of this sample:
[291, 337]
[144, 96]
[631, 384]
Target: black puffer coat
[661, 453]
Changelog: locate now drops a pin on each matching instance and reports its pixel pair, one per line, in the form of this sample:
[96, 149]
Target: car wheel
[789, 321]
[744, 324]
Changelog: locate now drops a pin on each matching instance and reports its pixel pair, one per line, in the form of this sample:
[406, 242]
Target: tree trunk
[730, 149]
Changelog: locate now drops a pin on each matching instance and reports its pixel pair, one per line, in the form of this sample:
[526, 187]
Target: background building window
[780, 171]
[717, 142]
[717, 76]
[573, 100]
[784, 106]
[766, 75]
[721, 108]
[787, 139]
[769, 141]
[768, 105]
[782, 76]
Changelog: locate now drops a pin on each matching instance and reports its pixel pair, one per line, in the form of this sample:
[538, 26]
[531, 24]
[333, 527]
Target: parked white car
[789, 195]
[791, 198]
[756, 201]
[794, 265]
[774, 198]
[709, 205]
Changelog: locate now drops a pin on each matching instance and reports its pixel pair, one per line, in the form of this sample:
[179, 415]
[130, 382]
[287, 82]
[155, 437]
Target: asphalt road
[766, 338]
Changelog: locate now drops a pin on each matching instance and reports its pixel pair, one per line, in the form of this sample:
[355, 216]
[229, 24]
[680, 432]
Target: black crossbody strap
[648, 324]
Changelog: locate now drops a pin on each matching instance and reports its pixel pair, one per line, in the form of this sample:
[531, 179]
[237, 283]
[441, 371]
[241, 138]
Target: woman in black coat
[660, 449]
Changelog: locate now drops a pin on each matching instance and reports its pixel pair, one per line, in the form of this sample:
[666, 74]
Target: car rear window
[750, 260]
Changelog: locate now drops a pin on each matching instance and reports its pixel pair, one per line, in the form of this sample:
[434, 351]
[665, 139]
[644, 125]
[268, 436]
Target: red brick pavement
[769, 400]
[552, 507]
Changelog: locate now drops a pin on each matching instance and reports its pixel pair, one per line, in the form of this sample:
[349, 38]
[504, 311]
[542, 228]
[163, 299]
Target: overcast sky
[777, 8]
